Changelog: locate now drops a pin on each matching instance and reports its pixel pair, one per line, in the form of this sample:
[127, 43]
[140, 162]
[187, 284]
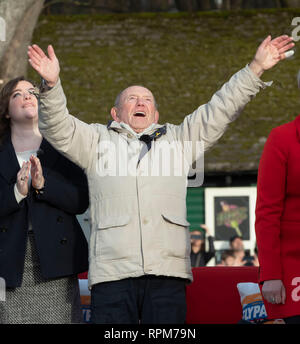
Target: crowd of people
[235, 255]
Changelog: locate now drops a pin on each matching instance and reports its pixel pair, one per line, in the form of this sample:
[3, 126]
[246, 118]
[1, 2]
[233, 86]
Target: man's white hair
[118, 98]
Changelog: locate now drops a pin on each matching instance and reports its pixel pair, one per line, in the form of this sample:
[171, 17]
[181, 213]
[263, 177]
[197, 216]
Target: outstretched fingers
[34, 55]
[51, 52]
[281, 39]
[285, 51]
[286, 47]
[266, 41]
[34, 59]
[37, 50]
[283, 43]
[35, 65]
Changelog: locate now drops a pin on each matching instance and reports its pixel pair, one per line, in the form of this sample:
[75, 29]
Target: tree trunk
[266, 3]
[226, 5]
[236, 4]
[20, 17]
[292, 3]
[187, 5]
[109, 6]
[205, 5]
[232, 4]
[248, 4]
[160, 5]
[135, 5]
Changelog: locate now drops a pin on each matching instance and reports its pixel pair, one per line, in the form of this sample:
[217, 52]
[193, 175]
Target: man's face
[136, 108]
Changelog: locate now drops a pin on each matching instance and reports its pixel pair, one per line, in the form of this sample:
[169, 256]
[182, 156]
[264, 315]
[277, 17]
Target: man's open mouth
[140, 114]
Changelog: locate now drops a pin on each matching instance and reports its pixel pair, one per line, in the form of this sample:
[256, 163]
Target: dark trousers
[292, 320]
[146, 300]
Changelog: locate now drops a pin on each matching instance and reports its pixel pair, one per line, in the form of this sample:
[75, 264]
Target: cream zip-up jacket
[138, 202]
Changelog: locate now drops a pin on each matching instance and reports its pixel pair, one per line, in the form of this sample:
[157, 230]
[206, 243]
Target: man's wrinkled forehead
[135, 91]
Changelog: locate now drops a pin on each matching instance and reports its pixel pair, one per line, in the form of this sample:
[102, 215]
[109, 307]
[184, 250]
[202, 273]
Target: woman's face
[23, 104]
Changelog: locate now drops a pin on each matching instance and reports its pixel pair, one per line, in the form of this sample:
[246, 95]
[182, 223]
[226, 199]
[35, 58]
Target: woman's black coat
[61, 244]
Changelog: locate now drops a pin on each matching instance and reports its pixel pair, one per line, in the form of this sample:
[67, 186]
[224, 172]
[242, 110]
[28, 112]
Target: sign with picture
[230, 211]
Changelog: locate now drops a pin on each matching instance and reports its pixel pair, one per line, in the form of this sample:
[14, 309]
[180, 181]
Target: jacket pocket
[113, 221]
[113, 237]
[177, 220]
[176, 236]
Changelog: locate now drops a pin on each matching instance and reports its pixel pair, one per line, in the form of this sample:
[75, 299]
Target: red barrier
[83, 275]
[213, 297]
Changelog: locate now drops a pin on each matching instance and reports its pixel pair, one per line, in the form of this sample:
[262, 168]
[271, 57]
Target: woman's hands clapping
[37, 179]
[22, 178]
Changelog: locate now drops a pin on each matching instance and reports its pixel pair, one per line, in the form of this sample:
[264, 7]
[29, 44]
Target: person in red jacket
[278, 222]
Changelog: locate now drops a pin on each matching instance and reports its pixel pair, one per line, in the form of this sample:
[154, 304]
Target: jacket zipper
[140, 223]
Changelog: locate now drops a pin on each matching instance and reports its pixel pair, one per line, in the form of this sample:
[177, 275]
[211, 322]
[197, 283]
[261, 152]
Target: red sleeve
[271, 184]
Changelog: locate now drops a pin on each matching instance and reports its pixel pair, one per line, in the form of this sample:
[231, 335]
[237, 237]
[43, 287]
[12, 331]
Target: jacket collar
[9, 165]
[116, 126]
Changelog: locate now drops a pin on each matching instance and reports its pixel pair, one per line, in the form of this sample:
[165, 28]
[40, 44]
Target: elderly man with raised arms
[139, 252]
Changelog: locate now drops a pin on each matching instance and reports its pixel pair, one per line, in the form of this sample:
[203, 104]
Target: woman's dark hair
[5, 94]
